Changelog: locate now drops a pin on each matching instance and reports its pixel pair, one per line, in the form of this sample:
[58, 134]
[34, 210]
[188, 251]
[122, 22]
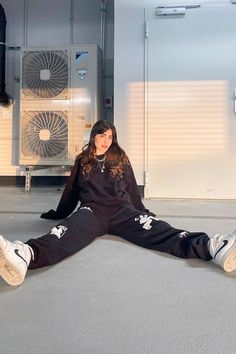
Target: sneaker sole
[8, 271]
[230, 261]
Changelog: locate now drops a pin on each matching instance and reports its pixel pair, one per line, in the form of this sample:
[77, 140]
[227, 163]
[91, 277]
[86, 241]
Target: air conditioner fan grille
[45, 134]
[45, 73]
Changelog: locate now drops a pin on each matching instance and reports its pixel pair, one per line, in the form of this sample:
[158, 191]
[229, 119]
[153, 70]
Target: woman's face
[103, 142]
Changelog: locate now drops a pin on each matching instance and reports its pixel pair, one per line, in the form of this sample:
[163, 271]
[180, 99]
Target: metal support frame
[28, 179]
[28, 174]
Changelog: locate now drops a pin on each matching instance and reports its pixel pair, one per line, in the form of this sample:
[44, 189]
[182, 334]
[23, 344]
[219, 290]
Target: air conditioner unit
[59, 102]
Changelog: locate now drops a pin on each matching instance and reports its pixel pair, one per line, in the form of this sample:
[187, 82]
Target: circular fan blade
[45, 73]
[45, 133]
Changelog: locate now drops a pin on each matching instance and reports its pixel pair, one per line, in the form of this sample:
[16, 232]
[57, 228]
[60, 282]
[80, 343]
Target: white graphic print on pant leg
[88, 208]
[146, 221]
[58, 231]
[183, 234]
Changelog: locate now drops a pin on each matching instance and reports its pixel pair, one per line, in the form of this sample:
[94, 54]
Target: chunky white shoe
[14, 260]
[223, 251]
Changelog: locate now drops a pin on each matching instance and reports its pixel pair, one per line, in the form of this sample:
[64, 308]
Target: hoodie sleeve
[132, 189]
[69, 198]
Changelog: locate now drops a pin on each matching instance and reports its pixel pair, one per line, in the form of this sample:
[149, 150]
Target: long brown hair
[116, 157]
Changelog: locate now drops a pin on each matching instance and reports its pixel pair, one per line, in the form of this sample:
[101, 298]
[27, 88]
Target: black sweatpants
[86, 224]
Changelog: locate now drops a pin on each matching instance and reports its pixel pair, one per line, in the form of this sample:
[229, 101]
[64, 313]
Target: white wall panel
[86, 19]
[129, 85]
[5, 139]
[48, 22]
[129, 81]
[190, 112]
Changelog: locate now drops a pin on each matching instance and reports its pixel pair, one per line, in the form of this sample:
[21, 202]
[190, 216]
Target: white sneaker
[223, 251]
[14, 260]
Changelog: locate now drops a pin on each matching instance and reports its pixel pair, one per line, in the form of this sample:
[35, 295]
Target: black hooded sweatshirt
[98, 189]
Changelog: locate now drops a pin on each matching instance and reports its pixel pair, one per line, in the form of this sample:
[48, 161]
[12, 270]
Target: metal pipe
[103, 26]
[5, 99]
[103, 18]
[71, 22]
[102, 42]
[25, 23]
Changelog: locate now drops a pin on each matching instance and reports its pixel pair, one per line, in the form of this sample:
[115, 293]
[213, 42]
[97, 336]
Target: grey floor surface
[114, 297]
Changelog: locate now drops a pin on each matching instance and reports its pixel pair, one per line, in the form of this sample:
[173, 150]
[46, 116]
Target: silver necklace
[101, 163]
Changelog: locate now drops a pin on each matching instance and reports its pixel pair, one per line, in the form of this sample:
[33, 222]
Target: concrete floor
[114, 297]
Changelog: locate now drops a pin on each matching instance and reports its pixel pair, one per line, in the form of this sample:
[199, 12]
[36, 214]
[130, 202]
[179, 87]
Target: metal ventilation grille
[45, 134]
[45, 74]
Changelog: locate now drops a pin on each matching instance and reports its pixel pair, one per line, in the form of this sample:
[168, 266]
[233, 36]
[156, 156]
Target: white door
[190, 118]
